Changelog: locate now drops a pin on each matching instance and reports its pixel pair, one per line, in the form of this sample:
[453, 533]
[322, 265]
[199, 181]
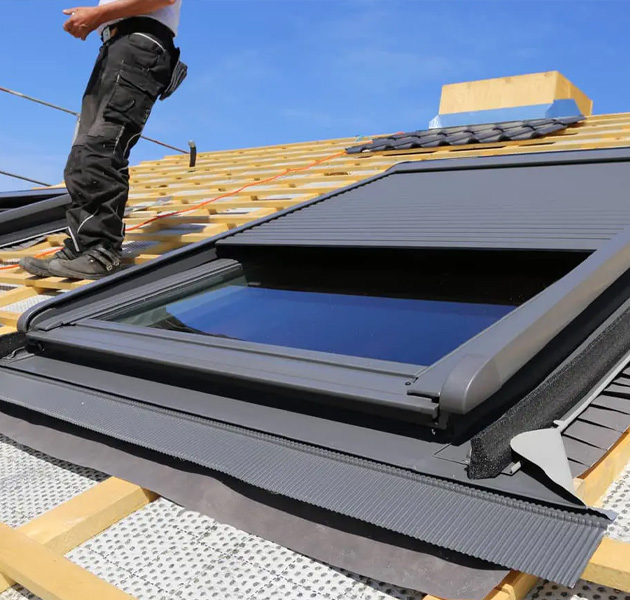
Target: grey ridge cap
[477, 369]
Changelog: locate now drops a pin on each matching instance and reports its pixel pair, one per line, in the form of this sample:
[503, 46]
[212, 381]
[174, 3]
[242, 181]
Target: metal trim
[482, 365]
[11, 200]
[36, 217]
[359, 385]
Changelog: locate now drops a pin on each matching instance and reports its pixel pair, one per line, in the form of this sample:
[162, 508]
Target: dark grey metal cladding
[582, 453]
[346, 382]
[560, 207]
[10, 200]
[592, 435]
[446, 514]
[468, 134]
[35, 217]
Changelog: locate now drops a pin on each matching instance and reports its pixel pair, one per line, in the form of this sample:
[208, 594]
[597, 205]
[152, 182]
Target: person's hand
[82, 21]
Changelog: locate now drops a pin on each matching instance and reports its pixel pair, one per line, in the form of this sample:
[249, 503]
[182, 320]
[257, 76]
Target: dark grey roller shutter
[486, 204]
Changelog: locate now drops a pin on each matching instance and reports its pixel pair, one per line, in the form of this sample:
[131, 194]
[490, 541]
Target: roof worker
[137, 64]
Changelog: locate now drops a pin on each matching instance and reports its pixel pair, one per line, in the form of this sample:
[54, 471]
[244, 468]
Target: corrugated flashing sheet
[486, 133]
[28, 215]
[314, 534]
[448, 514]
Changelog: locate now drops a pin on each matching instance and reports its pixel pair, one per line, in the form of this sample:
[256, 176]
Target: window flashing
[426, 454]
[449, 514]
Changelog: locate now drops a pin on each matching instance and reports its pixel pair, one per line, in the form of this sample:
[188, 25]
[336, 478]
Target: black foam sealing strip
[511, 532]
[553, 398]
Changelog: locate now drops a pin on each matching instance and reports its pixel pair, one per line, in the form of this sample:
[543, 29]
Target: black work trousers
[130, 73]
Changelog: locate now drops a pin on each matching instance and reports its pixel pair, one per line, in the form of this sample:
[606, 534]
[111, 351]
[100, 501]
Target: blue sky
[274, 71]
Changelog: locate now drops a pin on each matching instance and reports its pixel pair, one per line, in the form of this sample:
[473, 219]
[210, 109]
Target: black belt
[141, 25]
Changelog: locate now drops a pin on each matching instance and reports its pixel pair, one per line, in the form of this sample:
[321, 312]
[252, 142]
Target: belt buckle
[108, 33]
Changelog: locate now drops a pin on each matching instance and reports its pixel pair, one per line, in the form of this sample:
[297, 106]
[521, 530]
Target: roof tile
[471, 134]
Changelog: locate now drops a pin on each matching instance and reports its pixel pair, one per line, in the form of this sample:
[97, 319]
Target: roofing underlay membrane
[413, 484]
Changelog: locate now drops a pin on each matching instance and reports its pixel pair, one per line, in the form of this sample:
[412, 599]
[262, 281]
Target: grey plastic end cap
[469, 384]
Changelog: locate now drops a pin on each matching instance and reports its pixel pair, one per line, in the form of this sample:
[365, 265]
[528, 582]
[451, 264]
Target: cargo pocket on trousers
[132, 100]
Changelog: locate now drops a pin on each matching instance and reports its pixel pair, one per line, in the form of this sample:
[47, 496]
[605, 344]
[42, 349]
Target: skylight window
[419, 294]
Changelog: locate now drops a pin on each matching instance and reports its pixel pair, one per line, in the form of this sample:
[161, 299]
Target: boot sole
[69, 274]
[33, 270]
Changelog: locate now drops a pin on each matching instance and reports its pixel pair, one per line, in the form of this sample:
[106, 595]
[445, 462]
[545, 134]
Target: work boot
[94, 263]
[39, 266]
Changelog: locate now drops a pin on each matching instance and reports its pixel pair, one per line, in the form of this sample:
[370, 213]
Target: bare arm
[85, 19]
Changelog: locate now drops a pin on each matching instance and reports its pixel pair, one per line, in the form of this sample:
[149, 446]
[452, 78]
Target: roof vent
[523, 97]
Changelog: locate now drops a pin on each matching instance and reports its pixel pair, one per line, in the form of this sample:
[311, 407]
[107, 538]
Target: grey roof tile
[470, 134]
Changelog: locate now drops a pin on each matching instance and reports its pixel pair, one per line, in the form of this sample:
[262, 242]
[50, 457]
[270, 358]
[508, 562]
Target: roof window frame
[460, 381]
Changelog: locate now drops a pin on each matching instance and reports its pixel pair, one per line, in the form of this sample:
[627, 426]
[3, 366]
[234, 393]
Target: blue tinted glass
[396, 329]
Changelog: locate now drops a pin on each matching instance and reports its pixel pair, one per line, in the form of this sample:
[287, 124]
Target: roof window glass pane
[392, 313]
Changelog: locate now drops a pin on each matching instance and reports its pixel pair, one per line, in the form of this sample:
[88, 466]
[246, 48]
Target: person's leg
[135, 70]
[89, 111]
[129, 74]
